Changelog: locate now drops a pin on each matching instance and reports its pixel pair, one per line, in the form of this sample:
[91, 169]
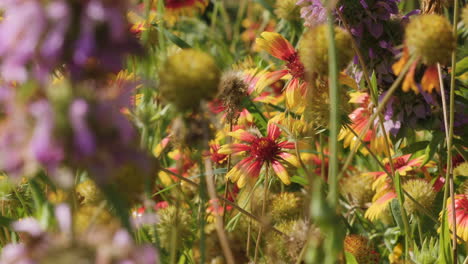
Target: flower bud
[313, 49]
[287, 10]
[421, 191]
[189, 77]
[431, 38]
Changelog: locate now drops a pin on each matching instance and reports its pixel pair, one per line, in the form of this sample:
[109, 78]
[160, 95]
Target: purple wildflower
[43, 146]
[312, 11]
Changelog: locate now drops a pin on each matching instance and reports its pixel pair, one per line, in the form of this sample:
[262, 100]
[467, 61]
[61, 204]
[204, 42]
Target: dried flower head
[421, 191]
[361, 249]
[431, 38]
[189, 77]
[287, 10]
[313, 49]
[232, 89]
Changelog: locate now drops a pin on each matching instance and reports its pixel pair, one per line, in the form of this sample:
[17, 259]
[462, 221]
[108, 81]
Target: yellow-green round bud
[188, 77]
[88, 218]
[431, 38]
[88, 192]
[313, 49]
[286, 206]
[465, 16]
[361, 249]
[317, 110]
[287, 10]
[421, 191]
[358, 189]
[173, 219]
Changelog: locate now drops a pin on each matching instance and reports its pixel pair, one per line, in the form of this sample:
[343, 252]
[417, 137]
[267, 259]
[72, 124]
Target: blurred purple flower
[15, 158]
[312, 11]
[37, 36]
[43, 146]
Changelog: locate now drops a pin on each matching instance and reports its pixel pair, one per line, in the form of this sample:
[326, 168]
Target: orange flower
[429, 81]
[279, 47]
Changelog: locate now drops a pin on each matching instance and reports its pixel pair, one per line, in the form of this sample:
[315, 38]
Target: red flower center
[295, 66]
[178, 3]
[265, 149]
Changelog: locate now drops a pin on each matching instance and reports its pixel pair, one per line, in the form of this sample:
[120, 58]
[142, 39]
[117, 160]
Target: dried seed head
[232, 89]
[313, 49]
[361, 249]
[431, 38]
[189, 77]
[421, 191]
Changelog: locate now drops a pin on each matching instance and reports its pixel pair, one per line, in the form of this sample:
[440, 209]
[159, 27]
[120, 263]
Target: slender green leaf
[350, 259]
[176, 40]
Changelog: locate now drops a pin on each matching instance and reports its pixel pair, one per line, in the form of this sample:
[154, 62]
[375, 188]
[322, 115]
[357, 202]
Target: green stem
[450, 136]
[265, 196]
[334, 242]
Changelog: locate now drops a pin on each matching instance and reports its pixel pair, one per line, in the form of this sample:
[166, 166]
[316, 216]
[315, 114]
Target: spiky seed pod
[286, 206]
[232, 89]
[89, 218]
[431, 38]
[317, 109]
[88, 192]
[188, 77]
[358, 189]
[465, 16]
[170, 218]
[361, 249]
[313, 49]
[288, 10]
[421, 191]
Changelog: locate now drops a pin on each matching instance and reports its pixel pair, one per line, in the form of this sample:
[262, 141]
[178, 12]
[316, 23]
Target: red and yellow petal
[430, 80]
[268, 79]
[408, 82]
[273, 131]
[243, 135]
[379, 206]
[232, 148]
[290, 158]
[281, 172]
[275, 44]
